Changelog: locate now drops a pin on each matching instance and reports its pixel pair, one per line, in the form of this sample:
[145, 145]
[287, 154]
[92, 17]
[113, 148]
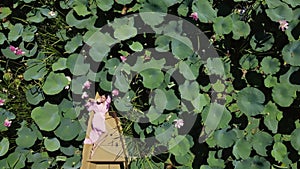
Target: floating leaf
[250, 101]
[51, 144]
[105, 5]
[73, 44]
[189, 90]
[283, 94]
[60, 64]
[125, 32]
[98, 51]
[4, 12]
[15, 32]
[46, 117]
[55, 83]
[240, 29]
[172, 100]
[68, 129]
[282, 12]
[248, 62]
[270, 65]
[272, 117]
[291, 53]
[34, 95]
[205, 11]
[252, 163]
[262, 41]
[160, 100]
[270, 81]
[36, 69]
[4, 146]
[223, 25]
[242, 149]
[148, 78]
[180, 145]
[295, 139]
[26, 137]
[81, 8]
[9, 54]
[260, 142]
[136, 46]
[279, 151]
[224, 138]
[124, 2]
[75, 63]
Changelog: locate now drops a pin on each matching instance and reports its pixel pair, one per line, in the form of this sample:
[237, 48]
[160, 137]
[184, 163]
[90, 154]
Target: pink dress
[98, 121]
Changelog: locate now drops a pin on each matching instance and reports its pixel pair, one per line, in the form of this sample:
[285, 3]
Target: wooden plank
[111, 149]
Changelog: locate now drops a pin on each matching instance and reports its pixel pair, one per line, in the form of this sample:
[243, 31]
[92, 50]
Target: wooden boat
[110, 153]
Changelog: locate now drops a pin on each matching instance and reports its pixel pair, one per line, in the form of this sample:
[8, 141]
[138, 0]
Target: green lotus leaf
[68, 129]
[69, 151]
[111, 65]
[160, 100]
[34, 95]
[272, 117]
[26, 137]
[252, 163]
[270, 81]
[240, 29]
[60, 64]
[35, 16]
[270, 65]
[121, 81]
[124, 2]
[76, 84]
[215, 116]
[73, 44]
[136, 46]
[9, 54]
[17, 160]
[83, 23]
[55, 83]
[205, 11]
[279, 151]
[180, 145]
[181, 49]
[105, 5]
[46, 117]
[250, 100]
[183, 10]
[46, 12]
[189, 90]
[125, 32]
[293, 3]
[185, 159]
[215, 66]
[36, 69]
[98, 51]
[186, 71]
[282, 12]
[95, 36]
[172, 100]
[291, 53]
[140, 65]
[157, 7]
[15, 32]
[162, 43]
[262, 41]
[260, 142]
[29, 33]
[75, 63]
[152, 18]
[29, 52]
[224, 138]
[295, 139]
[81, 8]
[72, 162]
[218, 86]
[215, 162]
[273, 3]
[283, 94]
[5, 11]
[152, 78]
[4, 146]
[242, 149]
[248, 62]
[51, 144]
[223, 25]
[163, 133]
[2, 38]
[200, 101]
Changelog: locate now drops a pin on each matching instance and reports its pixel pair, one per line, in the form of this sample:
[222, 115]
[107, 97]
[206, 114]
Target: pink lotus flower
[194, 15]
[16, 50]
[284, 25]
[86, 85]
[123, 58]
[2, 102]
[179, 123]
[84, 95]
[7, 123]
[115, 92]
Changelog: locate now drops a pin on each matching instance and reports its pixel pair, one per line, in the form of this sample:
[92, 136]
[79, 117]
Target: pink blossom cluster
[16, 50]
